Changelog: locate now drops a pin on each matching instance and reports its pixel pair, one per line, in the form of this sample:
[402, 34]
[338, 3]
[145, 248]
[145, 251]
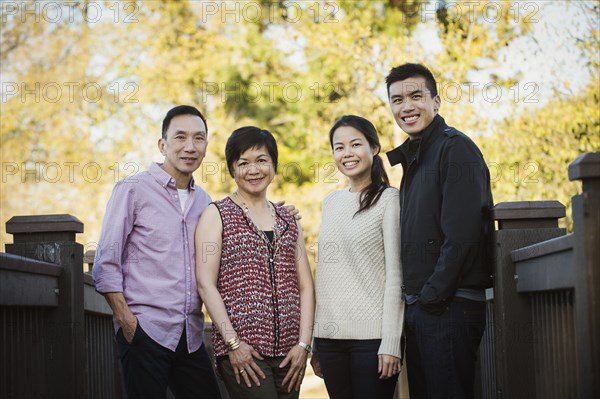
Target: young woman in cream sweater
[359, 309]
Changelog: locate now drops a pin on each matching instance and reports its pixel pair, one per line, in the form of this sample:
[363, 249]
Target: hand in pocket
[129, 329]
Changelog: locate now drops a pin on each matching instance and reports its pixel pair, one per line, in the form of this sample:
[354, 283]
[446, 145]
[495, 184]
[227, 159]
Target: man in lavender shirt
[145, 268]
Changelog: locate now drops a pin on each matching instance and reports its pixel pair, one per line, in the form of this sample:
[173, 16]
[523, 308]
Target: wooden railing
[57, 335]
[57, 332]
[546, 296]
[542, 340]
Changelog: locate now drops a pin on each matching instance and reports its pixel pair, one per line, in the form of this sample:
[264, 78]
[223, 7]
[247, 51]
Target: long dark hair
[379, 178]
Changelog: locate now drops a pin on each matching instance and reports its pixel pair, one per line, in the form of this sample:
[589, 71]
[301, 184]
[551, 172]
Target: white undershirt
[183, 196]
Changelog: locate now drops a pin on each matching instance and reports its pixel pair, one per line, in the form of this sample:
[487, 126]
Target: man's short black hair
[180, 110]
[408, 70]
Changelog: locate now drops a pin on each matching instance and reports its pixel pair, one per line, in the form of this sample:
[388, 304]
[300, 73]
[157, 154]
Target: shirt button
[189, 293]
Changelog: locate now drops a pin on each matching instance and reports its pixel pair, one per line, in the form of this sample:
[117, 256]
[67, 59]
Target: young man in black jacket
[445, 201]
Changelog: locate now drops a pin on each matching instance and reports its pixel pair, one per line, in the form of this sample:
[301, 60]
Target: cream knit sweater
[358, 276]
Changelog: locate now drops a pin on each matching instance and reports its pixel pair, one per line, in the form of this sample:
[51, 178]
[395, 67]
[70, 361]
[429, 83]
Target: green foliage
[528, 157]
[293, 68]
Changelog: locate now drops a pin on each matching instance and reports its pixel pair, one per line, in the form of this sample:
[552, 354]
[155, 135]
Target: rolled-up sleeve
[116, 227]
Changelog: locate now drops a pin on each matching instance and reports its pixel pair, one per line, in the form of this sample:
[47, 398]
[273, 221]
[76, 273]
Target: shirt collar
[163, 178]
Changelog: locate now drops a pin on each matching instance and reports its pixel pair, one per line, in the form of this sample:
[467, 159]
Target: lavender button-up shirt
[146, 251]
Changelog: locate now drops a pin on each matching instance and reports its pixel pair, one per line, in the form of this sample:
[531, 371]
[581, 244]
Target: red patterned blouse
[258, 282]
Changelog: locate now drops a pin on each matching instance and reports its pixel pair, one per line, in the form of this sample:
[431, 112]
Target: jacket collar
[430, 134]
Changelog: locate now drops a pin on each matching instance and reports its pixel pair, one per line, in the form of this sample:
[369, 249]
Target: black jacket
[445, 221]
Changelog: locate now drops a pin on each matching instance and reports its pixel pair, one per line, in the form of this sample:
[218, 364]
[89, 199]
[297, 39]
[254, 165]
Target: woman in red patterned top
[254, 277]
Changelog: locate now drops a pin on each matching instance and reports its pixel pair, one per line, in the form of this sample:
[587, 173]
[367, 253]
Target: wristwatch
[305, 346]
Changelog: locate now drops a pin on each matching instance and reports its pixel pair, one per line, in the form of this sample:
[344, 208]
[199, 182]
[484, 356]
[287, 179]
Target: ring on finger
[242, 371]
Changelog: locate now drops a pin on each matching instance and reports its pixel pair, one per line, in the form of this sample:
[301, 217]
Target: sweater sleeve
[393, 304]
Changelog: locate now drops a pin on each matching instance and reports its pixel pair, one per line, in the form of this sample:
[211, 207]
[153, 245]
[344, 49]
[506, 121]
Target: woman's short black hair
[245, 138]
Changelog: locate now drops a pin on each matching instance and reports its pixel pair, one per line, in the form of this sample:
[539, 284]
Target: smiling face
[412, 105]
[353, 155]
[254, 171]
[184, 147]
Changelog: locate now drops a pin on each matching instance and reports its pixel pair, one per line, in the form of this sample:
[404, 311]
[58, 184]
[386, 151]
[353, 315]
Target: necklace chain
[247, 211]
[273, 246]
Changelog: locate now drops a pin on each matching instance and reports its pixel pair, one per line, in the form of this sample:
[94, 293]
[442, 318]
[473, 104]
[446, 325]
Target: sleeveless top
[258, 282]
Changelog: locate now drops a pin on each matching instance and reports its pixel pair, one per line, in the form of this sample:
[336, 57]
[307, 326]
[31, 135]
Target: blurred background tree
[83, 93]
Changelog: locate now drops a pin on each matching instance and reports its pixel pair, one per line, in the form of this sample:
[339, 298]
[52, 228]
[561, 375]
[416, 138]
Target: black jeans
[349, 368]
[441, 350]
[150, 368]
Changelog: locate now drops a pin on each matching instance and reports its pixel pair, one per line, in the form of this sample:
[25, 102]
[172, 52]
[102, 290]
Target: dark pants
[270, 388]
[150, 368]
[441, 350]
[349, 368]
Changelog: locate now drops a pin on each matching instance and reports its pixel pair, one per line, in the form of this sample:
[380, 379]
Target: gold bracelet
[233, 343]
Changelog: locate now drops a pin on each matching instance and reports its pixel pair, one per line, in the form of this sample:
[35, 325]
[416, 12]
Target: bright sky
[550, 58]
[547, 61]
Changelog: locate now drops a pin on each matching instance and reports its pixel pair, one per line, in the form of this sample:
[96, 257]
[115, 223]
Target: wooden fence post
[51, 238]
[586, 226]
[519, 224]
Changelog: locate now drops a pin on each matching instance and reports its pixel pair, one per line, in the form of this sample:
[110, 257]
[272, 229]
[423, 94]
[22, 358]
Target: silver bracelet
[305, 346]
